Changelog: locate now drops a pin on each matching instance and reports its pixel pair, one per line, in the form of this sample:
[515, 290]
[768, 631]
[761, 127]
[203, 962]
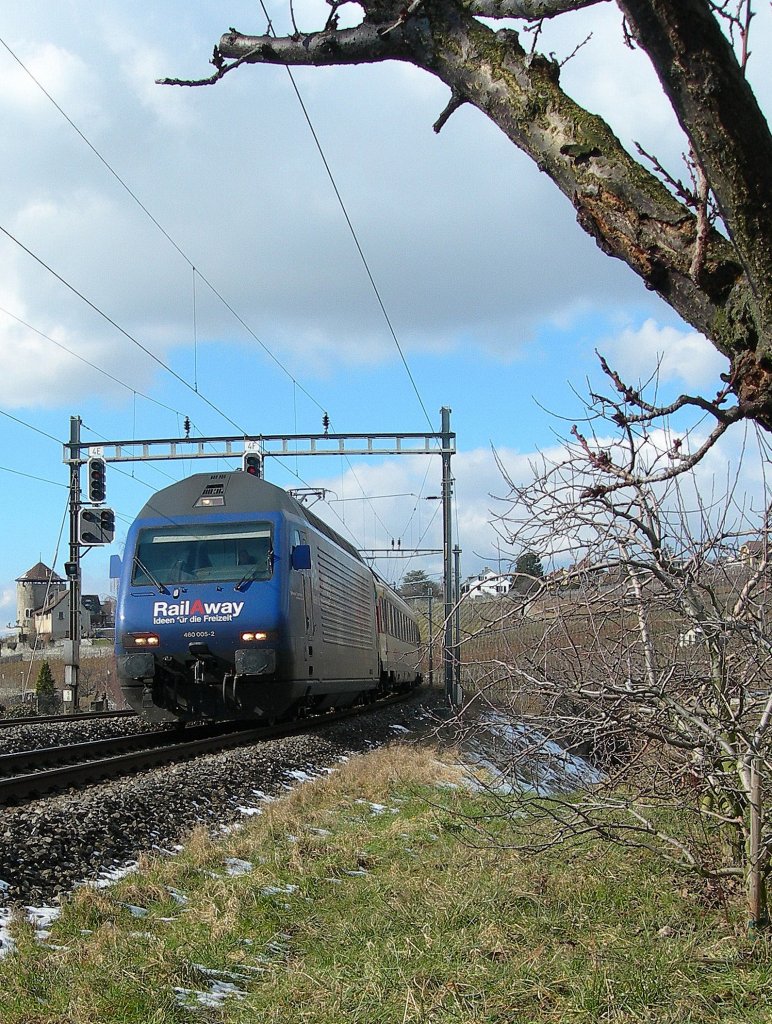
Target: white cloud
[141, 64]
[36, 373]
[673, 355]
[61, 73]
[402, 505]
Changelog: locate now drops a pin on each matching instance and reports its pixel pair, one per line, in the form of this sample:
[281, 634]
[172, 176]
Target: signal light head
[107, 525]
[97, 482]
[252, 463]
[96, 526]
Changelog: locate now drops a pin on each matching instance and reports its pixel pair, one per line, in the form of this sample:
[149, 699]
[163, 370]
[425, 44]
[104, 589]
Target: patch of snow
[41, 919]
[213, 972]
[235, 867]
[115, 874]
[218, 992]
[541, 765]
[6, 942]
[134, 910]
[249, 811]
[278, 890]
[398, 728]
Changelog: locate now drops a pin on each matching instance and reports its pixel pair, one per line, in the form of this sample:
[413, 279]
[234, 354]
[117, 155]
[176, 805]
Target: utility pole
[431, 639]
[72, 570]
[447, 545]
[457, 647]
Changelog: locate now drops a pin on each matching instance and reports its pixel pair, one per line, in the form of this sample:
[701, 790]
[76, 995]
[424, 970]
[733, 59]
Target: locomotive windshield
[226, 552]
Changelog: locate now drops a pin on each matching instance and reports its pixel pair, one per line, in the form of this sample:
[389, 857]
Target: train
[236, 601]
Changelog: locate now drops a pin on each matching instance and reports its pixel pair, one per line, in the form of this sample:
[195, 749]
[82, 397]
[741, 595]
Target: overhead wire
[352, 230]
[358, 246]
[29, 426]
[88, 362]
[37, 430]
[121, 330]
[127, 188]
[31, 476]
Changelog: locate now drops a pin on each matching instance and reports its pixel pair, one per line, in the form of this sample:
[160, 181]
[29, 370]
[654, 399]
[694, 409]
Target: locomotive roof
[235, 493]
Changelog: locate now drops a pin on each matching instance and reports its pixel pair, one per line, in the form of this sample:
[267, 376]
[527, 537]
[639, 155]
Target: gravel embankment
[49, 845]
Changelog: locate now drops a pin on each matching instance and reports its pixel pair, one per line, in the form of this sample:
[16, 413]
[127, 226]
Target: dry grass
[366, 901]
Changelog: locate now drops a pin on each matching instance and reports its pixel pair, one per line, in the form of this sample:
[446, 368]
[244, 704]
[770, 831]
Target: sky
[226, 255]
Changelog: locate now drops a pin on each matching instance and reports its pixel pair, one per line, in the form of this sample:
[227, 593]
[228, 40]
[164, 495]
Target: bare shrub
[646, 648]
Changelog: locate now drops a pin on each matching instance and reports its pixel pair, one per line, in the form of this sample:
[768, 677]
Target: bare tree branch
[528, 10]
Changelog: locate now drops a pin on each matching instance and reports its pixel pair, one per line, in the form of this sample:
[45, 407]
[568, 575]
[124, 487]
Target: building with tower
[43, 606]
[35, 589]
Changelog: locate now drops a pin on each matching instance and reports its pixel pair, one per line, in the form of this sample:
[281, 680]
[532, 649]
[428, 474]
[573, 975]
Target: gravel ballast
[49, 845]
[14, 738]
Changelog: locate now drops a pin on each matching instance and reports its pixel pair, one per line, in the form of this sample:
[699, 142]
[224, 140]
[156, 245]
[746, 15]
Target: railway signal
[252, 463]
[107, 525]
[96, 526]
[97, 482]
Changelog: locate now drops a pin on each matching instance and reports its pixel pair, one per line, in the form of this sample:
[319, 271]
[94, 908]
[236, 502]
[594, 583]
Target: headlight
[251, 635]
[135, 640]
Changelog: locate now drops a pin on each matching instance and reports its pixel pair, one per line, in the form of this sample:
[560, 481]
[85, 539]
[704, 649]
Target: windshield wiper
[253, 573]
[161, 588]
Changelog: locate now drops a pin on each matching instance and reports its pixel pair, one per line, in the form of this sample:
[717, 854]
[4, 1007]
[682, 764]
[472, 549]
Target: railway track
[102, 759]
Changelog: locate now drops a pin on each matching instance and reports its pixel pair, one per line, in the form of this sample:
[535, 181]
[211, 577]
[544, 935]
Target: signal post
[92, 524]
[72, 571]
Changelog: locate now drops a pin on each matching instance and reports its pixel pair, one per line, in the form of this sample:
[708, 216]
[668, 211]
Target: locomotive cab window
[218, 552]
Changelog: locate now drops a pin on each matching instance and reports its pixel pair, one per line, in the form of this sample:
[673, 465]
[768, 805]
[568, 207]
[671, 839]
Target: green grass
[395, 917]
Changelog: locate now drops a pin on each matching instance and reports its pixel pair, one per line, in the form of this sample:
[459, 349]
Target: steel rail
[89, 750]
[81, 716]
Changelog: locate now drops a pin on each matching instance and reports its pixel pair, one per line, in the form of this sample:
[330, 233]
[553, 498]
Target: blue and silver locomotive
[235, 601]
